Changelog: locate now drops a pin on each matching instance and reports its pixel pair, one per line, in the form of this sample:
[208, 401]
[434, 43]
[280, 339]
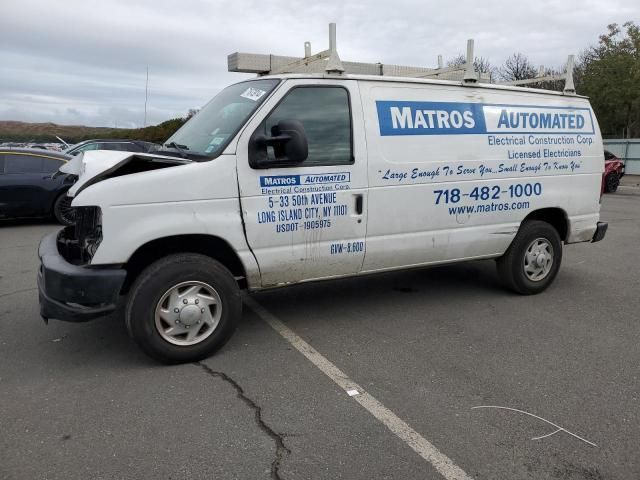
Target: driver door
[307, 221]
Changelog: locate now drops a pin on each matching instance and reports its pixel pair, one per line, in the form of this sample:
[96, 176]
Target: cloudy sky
[84, 61]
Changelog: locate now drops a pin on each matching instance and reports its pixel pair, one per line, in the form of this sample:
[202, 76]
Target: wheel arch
[209, 245]
[554, 216]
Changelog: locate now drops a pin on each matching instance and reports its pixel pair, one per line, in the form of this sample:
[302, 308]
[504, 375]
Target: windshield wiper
[171, 147]
[177, 146]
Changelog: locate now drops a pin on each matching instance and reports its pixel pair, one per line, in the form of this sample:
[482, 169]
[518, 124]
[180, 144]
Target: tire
[519, 268]
[611, 183]
[161, 321]
[62, 210]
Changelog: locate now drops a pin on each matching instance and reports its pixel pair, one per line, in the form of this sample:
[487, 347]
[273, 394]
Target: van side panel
[453, 171]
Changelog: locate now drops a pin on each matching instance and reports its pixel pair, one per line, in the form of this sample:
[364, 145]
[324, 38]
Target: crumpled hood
[94, 166]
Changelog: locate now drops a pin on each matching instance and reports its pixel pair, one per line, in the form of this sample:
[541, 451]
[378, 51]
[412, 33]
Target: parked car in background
[613, 172]
[31, 186]
[122, 145]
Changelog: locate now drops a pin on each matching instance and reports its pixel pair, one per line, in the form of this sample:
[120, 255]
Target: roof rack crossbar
[328, 62]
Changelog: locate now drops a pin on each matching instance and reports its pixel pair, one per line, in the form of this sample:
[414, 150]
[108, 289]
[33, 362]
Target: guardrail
[627, 150]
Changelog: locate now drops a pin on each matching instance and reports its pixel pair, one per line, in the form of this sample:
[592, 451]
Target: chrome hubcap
[188, 313]
[538, 259]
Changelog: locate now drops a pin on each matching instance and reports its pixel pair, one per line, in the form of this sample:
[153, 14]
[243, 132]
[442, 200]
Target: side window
[1, 164]
[22, 164]
[325, 114]
[50, 165]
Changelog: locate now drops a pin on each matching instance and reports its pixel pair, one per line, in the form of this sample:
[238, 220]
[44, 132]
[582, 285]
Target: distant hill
[11, 131]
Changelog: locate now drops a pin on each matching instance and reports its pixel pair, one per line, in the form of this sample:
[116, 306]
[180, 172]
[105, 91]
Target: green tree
[609, 73]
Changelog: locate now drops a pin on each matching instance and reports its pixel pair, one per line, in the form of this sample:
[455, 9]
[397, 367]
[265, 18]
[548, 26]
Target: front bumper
[600, 232]
[74, 293]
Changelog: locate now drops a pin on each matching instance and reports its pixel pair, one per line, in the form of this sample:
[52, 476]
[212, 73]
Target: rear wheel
[183, 308]
[611, 182]
[63, 211]
[532, 260]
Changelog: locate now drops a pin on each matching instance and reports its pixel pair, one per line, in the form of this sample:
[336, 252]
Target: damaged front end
[78, 243]
[70, 288]
[97, 166]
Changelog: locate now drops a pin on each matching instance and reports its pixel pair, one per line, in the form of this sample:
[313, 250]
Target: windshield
[210, 130]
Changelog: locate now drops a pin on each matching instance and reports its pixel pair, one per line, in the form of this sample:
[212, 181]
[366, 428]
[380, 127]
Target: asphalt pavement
[80, 401]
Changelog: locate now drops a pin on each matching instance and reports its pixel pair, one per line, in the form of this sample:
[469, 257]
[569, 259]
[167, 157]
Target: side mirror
[289, 142]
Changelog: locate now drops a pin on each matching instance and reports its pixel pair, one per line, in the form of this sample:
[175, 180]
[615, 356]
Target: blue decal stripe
[460, 118]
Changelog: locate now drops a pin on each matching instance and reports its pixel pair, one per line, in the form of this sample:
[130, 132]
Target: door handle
[359, 202]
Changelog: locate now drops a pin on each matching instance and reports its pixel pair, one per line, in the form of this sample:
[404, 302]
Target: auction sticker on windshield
[253, 93]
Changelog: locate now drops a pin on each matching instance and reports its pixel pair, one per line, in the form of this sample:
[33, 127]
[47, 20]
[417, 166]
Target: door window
[22, 164]
[325, 114]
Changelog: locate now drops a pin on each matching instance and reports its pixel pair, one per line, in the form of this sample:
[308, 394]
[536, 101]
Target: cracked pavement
[278, 438]
[82, 402]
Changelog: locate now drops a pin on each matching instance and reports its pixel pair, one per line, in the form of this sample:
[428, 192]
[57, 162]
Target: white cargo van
[300, 177]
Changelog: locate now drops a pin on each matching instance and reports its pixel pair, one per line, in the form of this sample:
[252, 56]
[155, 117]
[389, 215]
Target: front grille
[79, 242]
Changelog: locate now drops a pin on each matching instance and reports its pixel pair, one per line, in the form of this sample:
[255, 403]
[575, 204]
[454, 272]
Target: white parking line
[401, 429]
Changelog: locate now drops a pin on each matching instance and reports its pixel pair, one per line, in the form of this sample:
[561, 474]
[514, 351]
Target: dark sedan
[31, 186]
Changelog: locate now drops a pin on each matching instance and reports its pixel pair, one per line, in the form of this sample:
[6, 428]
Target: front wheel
[532, 260]
[183, 308]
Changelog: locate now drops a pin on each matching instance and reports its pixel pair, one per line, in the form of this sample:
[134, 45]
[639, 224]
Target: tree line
[154, 133]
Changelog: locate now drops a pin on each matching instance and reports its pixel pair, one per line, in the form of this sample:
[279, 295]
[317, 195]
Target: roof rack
[329, 62]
